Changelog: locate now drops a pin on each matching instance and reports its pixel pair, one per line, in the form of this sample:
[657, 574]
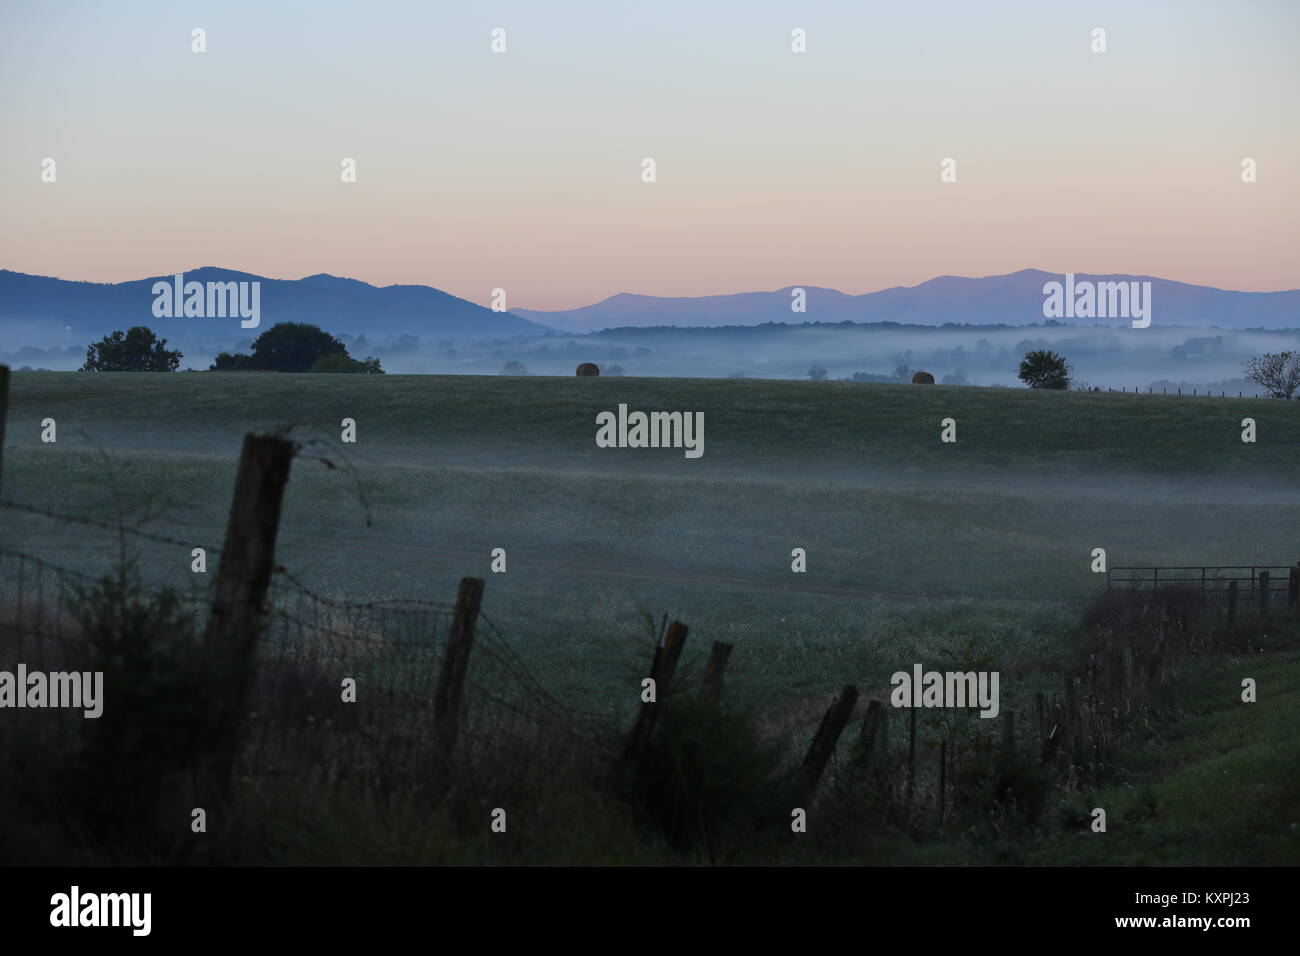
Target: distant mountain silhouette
[1015, 299]
[337, 305]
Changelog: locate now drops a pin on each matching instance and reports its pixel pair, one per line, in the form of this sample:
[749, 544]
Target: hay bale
[922, 378]
[588, 368]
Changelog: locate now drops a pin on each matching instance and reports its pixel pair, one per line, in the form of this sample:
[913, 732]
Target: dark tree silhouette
[1277, 372]
[139, 350]
[1043, 368]
[294, 347]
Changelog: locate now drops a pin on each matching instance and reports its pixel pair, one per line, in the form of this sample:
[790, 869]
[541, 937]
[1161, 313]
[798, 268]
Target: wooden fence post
[243, 577]
[1127, 652]
[1051, 743]
[662, 667]
[943, 773]
[1263, 592]
[828, 734]
[719, 654]
[1163, 649]
[883, 747]
[4, 412]
[1068, 740]
[1232, 606]
[911, 753]
[450, 692]
[1292, 585]
[872, 725]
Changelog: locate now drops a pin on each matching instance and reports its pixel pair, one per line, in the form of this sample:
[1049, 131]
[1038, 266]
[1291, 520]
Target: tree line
[285, 347]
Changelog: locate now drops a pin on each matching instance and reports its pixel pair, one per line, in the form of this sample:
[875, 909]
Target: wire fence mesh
[342, 691]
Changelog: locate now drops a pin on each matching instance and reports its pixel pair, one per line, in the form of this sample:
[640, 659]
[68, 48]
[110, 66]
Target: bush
[159, 701]
[338, 362]
[706, 779]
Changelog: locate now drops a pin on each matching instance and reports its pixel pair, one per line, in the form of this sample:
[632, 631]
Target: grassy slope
[993, 533]
[1214, 781]
[416, 419]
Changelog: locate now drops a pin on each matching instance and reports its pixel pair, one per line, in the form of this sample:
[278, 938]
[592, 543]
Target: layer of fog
[1114, 356]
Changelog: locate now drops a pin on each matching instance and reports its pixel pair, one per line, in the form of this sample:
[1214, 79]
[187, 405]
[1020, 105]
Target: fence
[1255, 587]
[1179, 390]
[341, 693]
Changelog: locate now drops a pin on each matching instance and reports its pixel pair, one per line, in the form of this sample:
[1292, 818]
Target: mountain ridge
[1014, 298]
[337, 304]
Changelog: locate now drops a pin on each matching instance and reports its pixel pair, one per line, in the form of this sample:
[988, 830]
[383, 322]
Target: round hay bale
[588, 368]
[922, 378]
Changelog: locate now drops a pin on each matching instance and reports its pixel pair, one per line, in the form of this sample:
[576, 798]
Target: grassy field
[918, 551]
[913, 545]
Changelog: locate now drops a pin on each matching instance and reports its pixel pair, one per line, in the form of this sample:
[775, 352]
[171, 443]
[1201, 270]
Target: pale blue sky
[521, 170]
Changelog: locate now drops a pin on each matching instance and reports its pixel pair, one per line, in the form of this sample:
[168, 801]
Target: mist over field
[1105, 356]
[911, 542]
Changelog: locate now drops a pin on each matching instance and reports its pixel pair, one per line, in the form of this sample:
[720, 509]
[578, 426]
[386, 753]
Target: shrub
[159, 700]
[706, 779]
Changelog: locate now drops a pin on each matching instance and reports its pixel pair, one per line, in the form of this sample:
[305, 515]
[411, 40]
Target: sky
[522, 170]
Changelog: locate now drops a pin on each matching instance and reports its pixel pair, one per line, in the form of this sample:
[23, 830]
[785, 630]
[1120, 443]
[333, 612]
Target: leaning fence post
[451, 678]
[662, 667]
[4, 411]
[828, 734]
[243, 577]
[719, 654]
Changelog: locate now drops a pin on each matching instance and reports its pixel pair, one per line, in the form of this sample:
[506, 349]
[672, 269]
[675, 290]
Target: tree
[513, 368]
[615, 370]
[290, 347]
[1043, 368]
[139, 350]
[1277, 372]
[294, 347]
[817, 373]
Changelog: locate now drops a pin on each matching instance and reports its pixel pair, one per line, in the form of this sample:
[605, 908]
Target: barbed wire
[117, 528]
[282, 572]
